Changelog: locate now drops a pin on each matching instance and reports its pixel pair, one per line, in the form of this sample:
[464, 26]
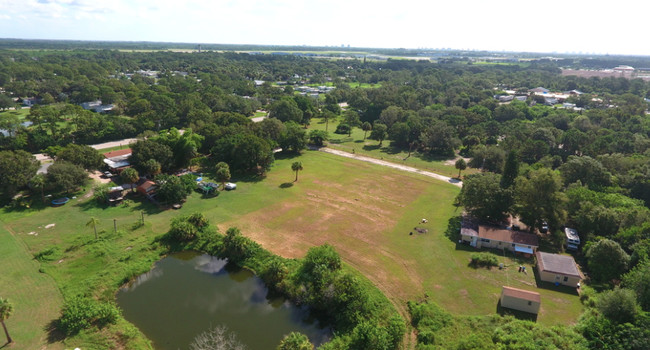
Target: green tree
[243, 152]
[318, 137]
[483, 197]
[510, 170]
[366, 126]
[618, 305]
[490, 158]
[327, 116]
[460, 165]
[6, 309]
[378, 133]
[538, 198]
[294, 138]
[295, 341]
[82, 155]
[606, 260]
[38, 183]
[638, 280]
[223, 174]
[587, 170]
[144, 150]
[296, 166]
[66, 177]
[172, 189]
[130, 176]
[17, 168]
[351, 118]
[5, 102]
[151, 167]
[93, 222]
[286, 110]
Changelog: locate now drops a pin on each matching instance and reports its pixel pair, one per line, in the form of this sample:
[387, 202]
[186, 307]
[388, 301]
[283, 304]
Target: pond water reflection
[186, 294]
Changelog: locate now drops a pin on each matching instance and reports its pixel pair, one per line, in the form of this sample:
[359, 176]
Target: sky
[566, 26]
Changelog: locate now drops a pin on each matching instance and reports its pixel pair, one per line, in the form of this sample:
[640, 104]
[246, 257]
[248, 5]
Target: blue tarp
[521, 249]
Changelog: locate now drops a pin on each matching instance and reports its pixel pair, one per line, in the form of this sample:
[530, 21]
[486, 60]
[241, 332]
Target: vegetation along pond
[188, 293]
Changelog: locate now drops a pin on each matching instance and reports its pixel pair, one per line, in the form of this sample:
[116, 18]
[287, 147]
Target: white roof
[116, 164]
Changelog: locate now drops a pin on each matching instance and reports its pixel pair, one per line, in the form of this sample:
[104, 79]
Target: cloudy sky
[595, 26]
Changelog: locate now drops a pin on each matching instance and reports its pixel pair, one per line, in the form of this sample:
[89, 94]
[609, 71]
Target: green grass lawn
[356, 144]
[259, 114]
[34, 295]
[364, 210]
[21, 113]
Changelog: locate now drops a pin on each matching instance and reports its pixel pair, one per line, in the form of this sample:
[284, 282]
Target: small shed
[520, 299]
[147, 187]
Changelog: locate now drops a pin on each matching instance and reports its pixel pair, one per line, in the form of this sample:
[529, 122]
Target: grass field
[356, 144]
[364, 210]
[21, 113]
[34, 295]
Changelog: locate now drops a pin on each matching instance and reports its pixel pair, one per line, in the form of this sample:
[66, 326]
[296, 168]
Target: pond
[186, 294]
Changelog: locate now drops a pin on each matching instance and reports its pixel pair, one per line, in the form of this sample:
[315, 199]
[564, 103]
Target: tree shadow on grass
[371, 147]
[391, 150]
[54, 335]
[429, 157]
[359, 141]
[453, 228]
[286, 155]
[286, 185]
[520, 315]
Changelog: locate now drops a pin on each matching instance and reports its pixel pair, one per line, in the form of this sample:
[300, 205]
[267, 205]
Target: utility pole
[115, 225]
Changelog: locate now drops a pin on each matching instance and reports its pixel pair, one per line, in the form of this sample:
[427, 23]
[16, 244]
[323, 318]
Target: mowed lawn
[355, 143]
[35, 296]
[366, 211]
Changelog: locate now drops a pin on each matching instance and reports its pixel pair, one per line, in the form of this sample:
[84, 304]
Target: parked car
[544, 228]
[108, 174]
[230, 186]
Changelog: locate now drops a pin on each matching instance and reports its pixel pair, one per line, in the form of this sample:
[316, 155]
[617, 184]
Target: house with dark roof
[558, 269]
[482, 236]
[520, 299]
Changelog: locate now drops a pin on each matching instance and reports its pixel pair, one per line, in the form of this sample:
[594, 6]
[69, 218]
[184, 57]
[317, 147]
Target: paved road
[450, 180]
[43, 158]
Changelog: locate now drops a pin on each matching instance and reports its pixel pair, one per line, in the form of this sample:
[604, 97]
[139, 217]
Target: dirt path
[450, 180]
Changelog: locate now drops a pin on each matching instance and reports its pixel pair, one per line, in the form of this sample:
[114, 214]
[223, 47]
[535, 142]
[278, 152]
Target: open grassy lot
[20, 113]
[356, 144]
[35, 296]
[366, 211]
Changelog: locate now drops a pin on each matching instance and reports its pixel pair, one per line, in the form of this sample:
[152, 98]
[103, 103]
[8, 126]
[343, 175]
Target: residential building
[118, 160]
[494, 237]
[520, 299]
[558, 269]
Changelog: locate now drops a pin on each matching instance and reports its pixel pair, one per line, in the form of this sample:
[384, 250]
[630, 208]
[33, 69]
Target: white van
[572, 238]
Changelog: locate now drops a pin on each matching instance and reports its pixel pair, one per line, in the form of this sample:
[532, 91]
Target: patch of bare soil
[354, 218]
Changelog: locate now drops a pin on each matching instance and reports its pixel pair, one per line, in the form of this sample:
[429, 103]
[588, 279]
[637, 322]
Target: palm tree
[366, 127]
[461, 165]
[38, 182]
[130, 175]
[223, 174]
[93, 222]
[296, 166]
[6, 309]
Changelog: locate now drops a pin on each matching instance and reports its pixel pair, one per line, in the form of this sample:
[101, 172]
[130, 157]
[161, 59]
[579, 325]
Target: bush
[484, 259]
[82, 313]
[342, 129]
